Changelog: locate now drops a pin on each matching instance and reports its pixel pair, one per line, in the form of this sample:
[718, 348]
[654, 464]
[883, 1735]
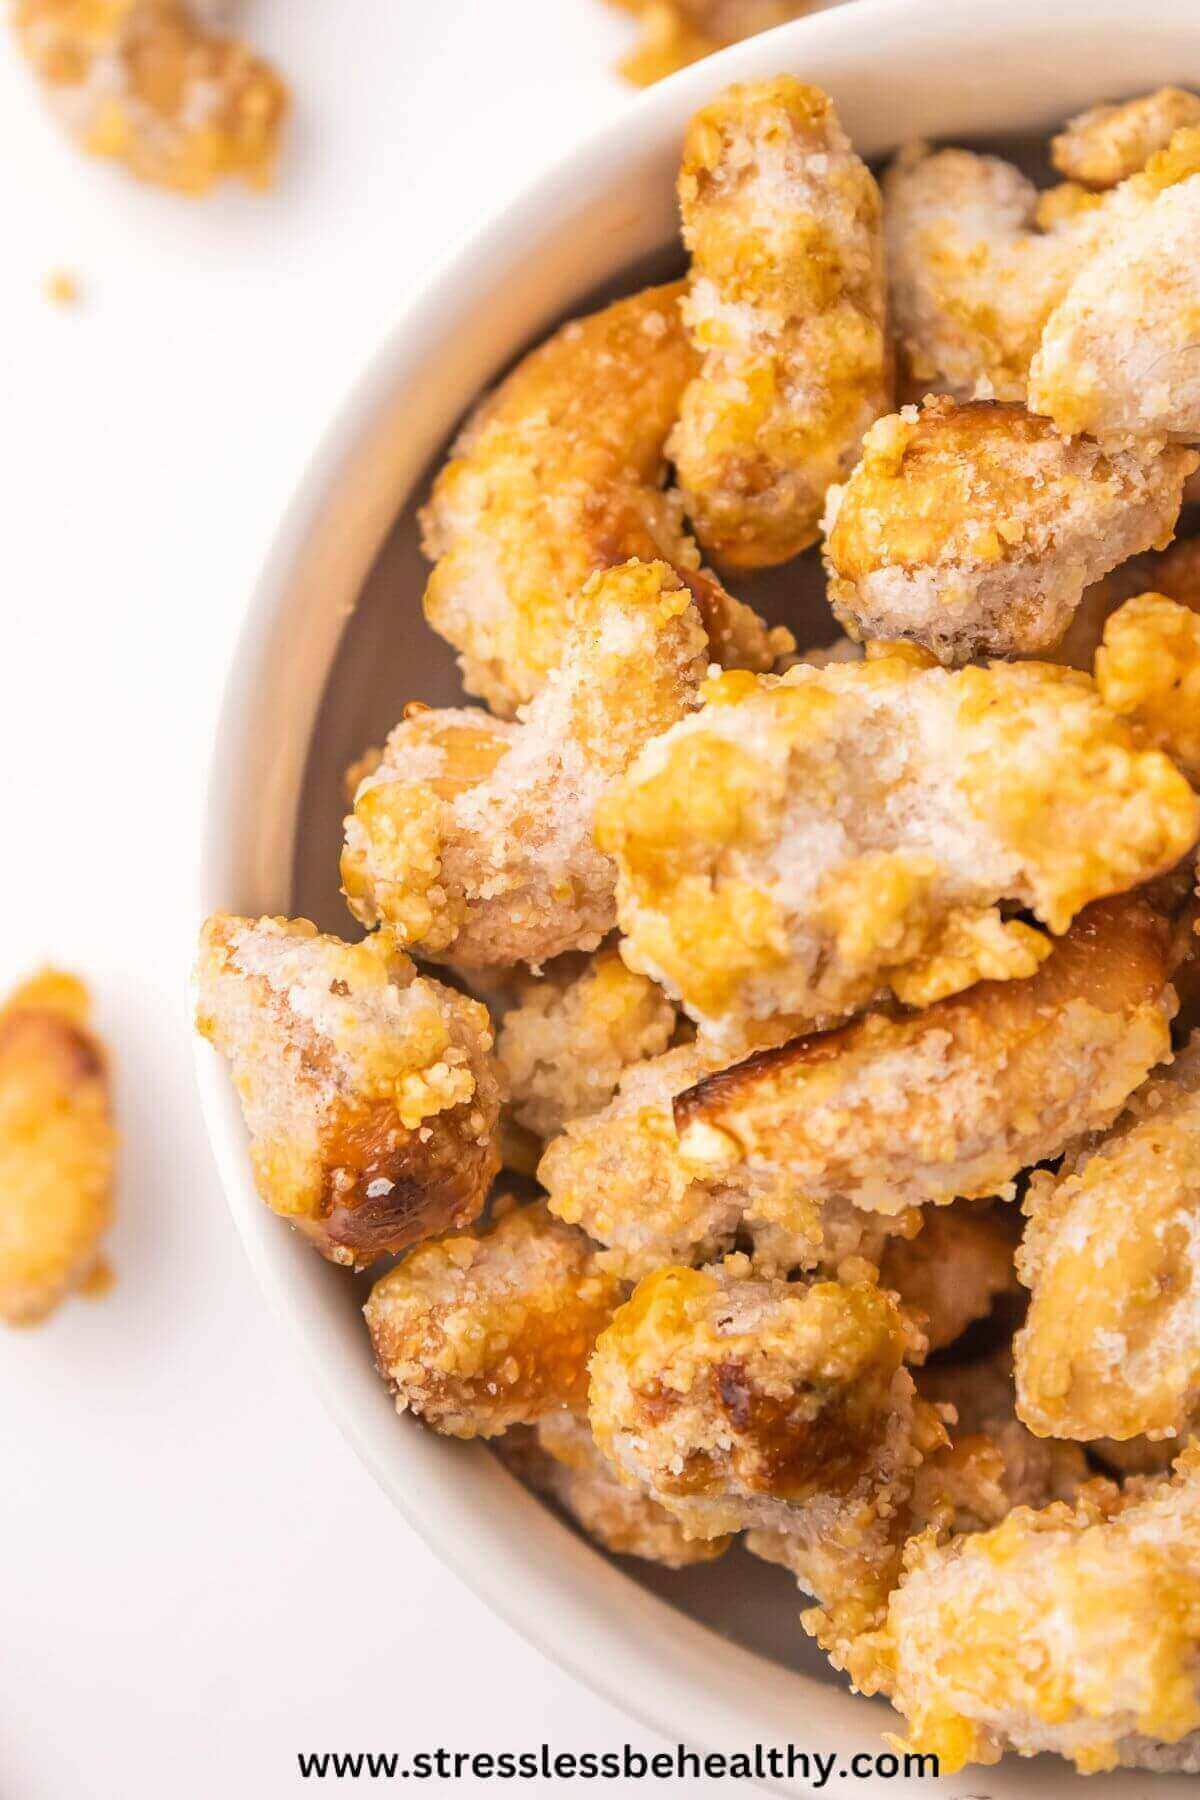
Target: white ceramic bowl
[897, 69]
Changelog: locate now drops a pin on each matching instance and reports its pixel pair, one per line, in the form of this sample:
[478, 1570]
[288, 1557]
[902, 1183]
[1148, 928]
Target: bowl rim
[577, 1625]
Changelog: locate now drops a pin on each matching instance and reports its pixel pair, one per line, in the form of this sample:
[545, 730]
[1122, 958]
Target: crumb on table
[61, 287]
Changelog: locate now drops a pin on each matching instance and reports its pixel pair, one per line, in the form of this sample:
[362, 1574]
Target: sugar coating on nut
[151, 85]
[472, 837]
[624, 1175]
[1118, 356]
[1111, 1254]
[1105, 144]
[557, 474]
[975, 529]
[492, 1328]
[919, 1108]
[573, 1032]
[369, 1090]
[803, 845]
[786, 310]
[979, 261]
[774, 1406]
[951, 1273]
[1071, 1629]
[560, 1457]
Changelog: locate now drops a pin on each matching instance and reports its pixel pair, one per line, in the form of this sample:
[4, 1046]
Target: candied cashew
[148, 84]
[803, 845]
[1072, 1629]
[561, 1459]
[975, 281]
[488, 1334]
[484, 1330]
[783, 1408]
[472, 837]
[57, 1147]
[1101, 147]
[993, 1462]
[622, 1174]
[1148, 671]
[972, 281]
[1119, 357]
[924, 1108]
[1111, 1344]
[974, 529]
[786, 310]
[738, 1401]
[559, 473]
[368, 1090]
[619, 1174]
[967, 1483]
[952, 1272]
[573, 1031]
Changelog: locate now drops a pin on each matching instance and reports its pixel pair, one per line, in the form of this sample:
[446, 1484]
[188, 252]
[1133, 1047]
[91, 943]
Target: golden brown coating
[922, 1108]
[804, 844]
[574, 1031]
[368, 1090]
[150, 84]
[1111, 1345]
[620, 1174]
[952, 1272]
[483, 1330]
[979, 261]
[559, 473]
[472, 837]
[856, 1560]
[972, 281]
[1148, 670]
[678, 32]
[623, 1176]
[1117, 355]
[786, 308]
[780, 1407]
[1068, 1629]
[970, 1482]
[974, 529]
[739, 1401]
[56, 1146]
[560, 1457]
[1104, 145]
[1059, 204]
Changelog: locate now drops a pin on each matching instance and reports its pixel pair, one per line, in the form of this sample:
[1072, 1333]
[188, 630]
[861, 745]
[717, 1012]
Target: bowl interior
[334, 646]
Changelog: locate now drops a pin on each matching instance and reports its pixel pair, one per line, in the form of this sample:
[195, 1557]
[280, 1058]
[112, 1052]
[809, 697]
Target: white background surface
[198, 1579]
